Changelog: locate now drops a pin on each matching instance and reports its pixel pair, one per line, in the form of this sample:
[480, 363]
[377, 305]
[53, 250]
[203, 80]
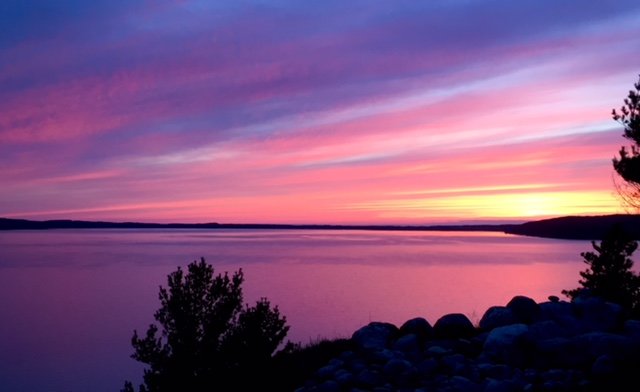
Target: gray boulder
[595, 344]
[562, 313]
[497, 316]
[558, 353]
[462, 384]
[454, 326]
[597, 315]
[407, 344]
[508, 344]
[375, 335]
[417, 326]
[603, 367]
[632, 329]
[501, 386]
[396, 367]
[524, 309]
[546, 329]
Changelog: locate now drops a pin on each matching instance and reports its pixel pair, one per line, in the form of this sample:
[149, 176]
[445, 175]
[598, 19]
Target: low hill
[578, 227]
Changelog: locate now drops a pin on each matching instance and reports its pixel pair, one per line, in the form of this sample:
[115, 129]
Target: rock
[328, 371]
[554, 375]
[594, 344]
[382, 356]
[395, 367]
[328, 386]
[368, 378]
[631, 329]
[558, 353]
[524, 309]
[454, 363]
[562, 313]
[437, 351]
[501, 386]
[555, 311]
[497, 316]
[462, 384]
[376, 335]
[427, 367]
[546, 329]
[454, 326]
[407, 343]
[553, 386]
[344, 378]
[596, 315]
[603, 367]
[508, 344]
[494, 371]
[419, 327]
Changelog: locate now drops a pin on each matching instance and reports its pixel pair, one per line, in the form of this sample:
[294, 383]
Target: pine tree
[610, 273]
[628, 164]
[204, 338]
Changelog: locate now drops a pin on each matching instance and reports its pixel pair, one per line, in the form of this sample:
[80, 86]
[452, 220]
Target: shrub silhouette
[204, 338]
[610, 274]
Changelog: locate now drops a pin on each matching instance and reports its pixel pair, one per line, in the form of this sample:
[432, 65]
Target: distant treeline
[579, 227]
[570, 227]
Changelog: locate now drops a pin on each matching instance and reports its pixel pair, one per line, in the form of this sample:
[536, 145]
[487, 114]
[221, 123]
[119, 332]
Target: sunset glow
[288, 112]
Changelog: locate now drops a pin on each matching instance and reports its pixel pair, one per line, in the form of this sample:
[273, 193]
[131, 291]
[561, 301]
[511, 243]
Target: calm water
[69, 300]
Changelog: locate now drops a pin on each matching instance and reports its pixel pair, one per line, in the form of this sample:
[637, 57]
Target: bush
[204, 338]
[610, 275]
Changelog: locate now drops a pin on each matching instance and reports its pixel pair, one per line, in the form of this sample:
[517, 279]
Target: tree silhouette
[628, 164]
[610, 274]
[204, 338]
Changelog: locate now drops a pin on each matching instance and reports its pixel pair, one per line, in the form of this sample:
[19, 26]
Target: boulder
[562, 313]
[501, 386]
[455, 364]
[524, 309]
[454, 326]
[555, 310]
[497, 316]
[375, 335]
[603, 367]
[427, 367]
[419, 327]
[407, 344]
[396, 367]
[595, 344]
[368, 378]
[495, 371]
[508, 344]
[632, 329]
[546, 329]
[462, 384]
[558, 353]
[597, 315]
[328, 386]
[328, 371]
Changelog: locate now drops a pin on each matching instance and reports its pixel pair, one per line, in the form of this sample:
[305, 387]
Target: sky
[345, 112]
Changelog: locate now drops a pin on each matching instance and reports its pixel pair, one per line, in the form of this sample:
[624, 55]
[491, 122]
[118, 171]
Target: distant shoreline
[569, 227]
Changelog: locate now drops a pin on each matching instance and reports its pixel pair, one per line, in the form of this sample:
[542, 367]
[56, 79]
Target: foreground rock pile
[585, 345]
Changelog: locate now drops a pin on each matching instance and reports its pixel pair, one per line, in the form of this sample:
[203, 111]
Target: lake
[70, 299]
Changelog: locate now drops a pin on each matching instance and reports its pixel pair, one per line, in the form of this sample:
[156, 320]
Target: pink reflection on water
[323, 300]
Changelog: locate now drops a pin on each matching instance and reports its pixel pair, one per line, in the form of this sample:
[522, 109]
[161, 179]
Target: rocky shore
[584, 345]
